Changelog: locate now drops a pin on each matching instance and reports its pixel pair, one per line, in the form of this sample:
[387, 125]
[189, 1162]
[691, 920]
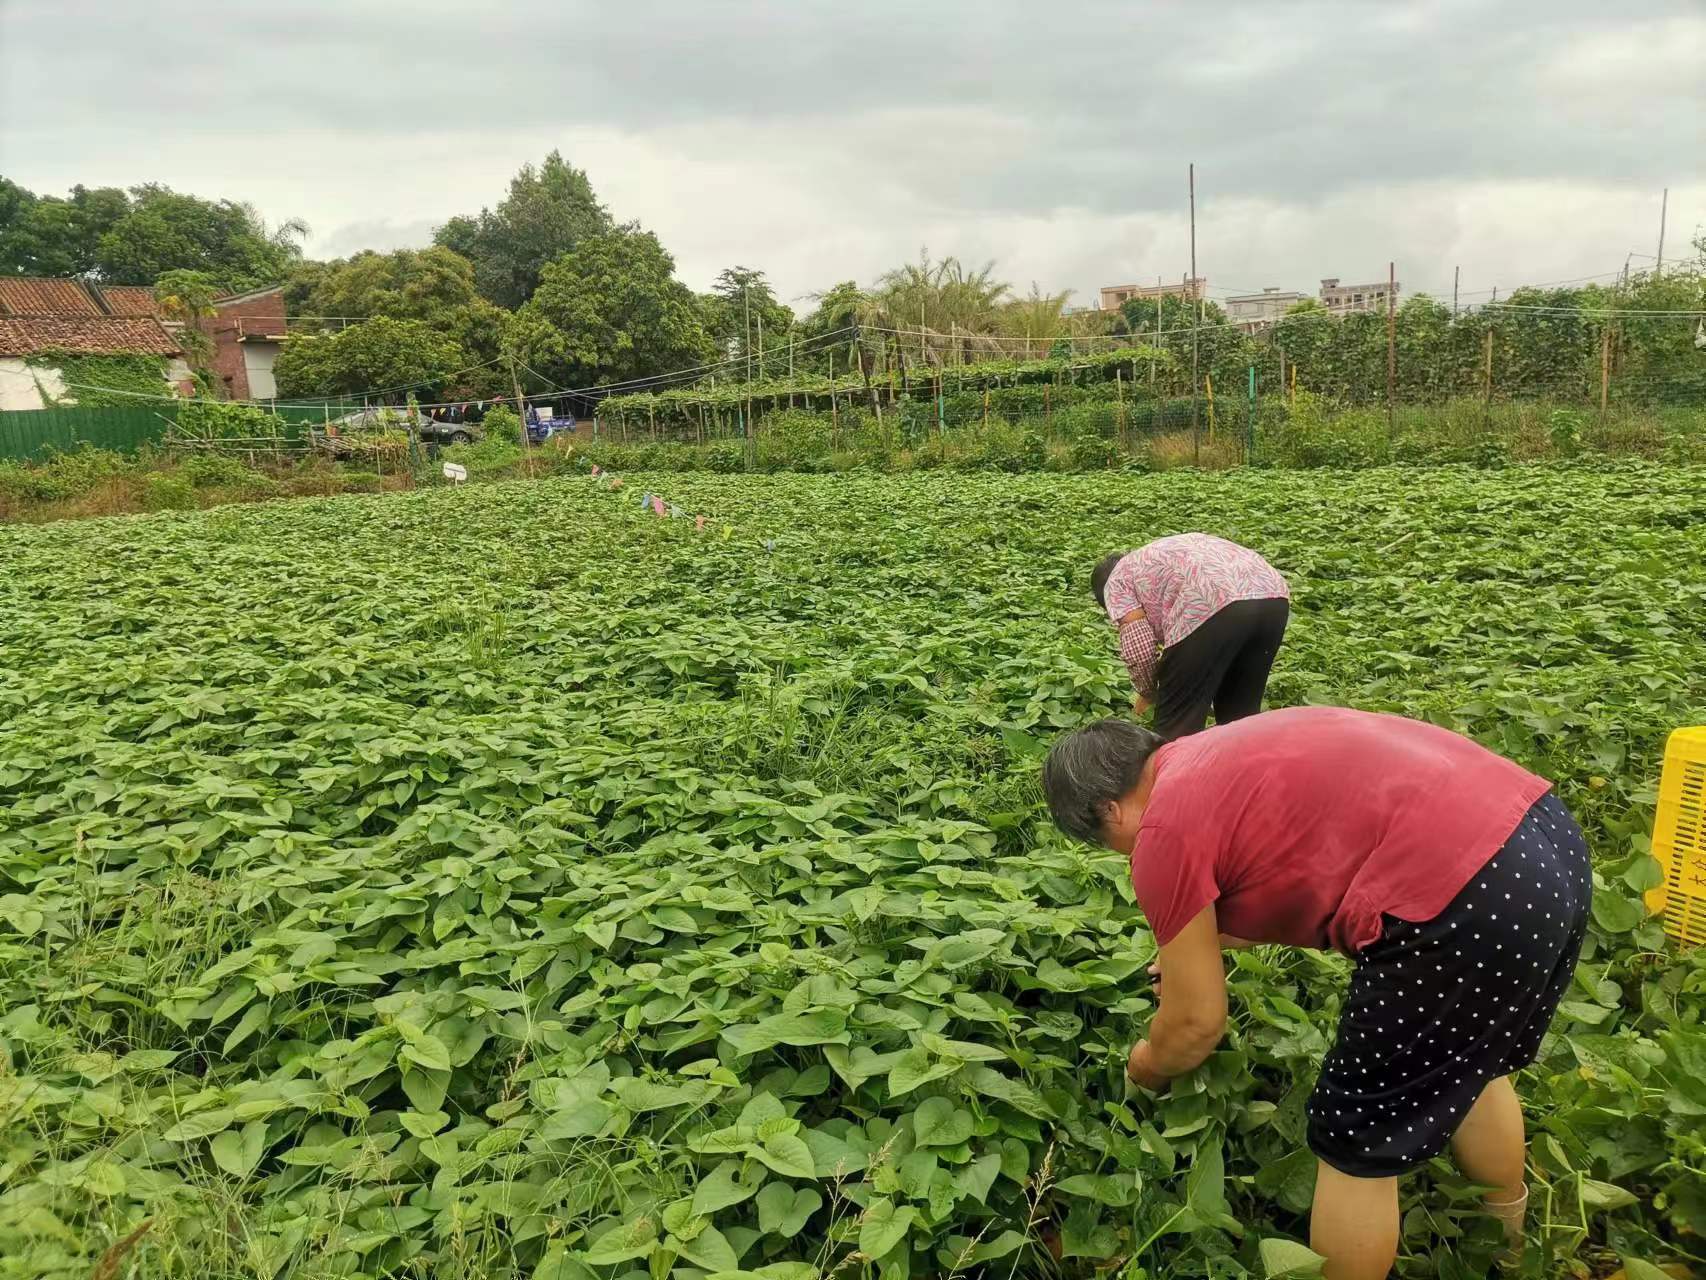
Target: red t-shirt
[1304, 826]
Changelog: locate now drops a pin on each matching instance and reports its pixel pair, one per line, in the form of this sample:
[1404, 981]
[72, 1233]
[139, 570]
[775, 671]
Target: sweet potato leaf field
[505, 882]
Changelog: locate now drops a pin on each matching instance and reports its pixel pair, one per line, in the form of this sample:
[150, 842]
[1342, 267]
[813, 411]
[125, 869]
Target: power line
[692, 373]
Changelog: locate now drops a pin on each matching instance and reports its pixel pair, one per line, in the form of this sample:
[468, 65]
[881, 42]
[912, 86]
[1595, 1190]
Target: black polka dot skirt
[1437, 1009]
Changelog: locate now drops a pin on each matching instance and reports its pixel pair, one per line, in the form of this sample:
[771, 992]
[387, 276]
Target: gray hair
[1092, 767]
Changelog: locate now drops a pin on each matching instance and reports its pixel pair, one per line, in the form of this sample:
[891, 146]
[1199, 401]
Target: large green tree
[745, 318]
[610, 310]
[409, 284]
[824, 329]
[166, 230]
[54, 236]
[380, 356]
[434, 286]
[547, 212]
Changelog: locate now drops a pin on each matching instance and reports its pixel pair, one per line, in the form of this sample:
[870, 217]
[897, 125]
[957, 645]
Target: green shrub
[1087, 420]
[1093, 453]
[794, 440]
[485, 457]
[61, 475]
[167, 491]
[1314, 435]
[502, 424]
[726, 457]
[203, 419]
[221, 471]
[1564, 428]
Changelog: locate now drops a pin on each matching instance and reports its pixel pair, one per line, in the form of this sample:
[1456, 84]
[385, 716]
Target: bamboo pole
[1604, 371]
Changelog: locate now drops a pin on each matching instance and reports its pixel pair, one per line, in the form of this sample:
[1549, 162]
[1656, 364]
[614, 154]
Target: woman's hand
[1140, 705]
[1139, 1071]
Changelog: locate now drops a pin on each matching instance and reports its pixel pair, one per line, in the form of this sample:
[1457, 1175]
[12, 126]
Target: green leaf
[975, 1179]
[582, 1120]
[915, 1068]
[709, 1249]
[239, 1151]
[937, 1124]
[425, 1089]
[203, 1124]
[1289, 1259]
[1104, 1188]
[631, 1239]
[965, 948]
[1605, 1195]
[882, 1226]
[1205, 1188]
[1015, 1093]
[960, 1252]
[783, 1211]
[787, 1154]
[254, 1018]
[652, 1095]
[1616, 914]
[726, 1185]
[426, 1051]
[1636, 1269]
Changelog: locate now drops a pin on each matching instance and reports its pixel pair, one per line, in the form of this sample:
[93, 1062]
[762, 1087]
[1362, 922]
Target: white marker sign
[455, 471]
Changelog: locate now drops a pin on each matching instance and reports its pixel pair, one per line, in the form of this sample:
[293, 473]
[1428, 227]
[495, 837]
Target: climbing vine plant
[122, 378]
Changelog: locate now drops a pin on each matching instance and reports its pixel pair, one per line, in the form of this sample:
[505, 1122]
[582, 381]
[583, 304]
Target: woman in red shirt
[1456, 880]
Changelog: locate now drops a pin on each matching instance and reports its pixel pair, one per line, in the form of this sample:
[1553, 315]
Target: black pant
[1223, 665]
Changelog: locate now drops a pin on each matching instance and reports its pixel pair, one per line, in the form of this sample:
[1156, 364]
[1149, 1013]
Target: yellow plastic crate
[1679, 837]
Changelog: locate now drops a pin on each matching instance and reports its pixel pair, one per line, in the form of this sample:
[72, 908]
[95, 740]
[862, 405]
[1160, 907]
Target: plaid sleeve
[1138, 651]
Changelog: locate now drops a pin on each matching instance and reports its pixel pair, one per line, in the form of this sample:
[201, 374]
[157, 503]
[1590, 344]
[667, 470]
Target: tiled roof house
[39, 317]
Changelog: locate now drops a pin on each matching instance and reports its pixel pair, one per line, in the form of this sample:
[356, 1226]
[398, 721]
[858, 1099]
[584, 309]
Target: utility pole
[521, 408]
[746, 325]
[761, 344]
[1391, 352]
[1454, 274]
[1196, 319]
[1664, 206]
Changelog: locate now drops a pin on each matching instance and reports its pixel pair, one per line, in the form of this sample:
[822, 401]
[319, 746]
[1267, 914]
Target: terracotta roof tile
[129, 300]
[91, 335]
[24, 295]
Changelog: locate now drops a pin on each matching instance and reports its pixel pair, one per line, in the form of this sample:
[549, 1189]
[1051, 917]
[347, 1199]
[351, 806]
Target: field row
[503, 882]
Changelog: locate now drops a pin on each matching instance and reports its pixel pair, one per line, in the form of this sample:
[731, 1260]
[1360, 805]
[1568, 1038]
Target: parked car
[425, 427]
[541, 428]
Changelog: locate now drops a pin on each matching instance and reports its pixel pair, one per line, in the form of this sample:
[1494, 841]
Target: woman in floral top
[1200, 621]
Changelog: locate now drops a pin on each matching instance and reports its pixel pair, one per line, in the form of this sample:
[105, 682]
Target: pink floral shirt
[1177, 584]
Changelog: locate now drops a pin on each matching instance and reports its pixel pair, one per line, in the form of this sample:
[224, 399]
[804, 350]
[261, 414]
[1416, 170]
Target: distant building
[36, 317]
[42, 318]
[248, 332]
[1115, 294]
[1254, 311]
[1355, 297]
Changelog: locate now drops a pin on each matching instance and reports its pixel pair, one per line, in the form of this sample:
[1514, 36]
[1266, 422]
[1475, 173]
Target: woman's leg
[1246, 678]
[1354, 1224]
[1192, 671]
[1490, 1149]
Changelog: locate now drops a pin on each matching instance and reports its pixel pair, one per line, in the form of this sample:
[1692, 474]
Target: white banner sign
[455, 471]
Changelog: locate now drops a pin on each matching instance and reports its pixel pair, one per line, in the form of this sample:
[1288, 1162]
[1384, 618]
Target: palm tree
[942, 302]
[1039, 318]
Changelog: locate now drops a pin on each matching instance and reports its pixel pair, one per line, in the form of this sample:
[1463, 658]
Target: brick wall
[257, 313]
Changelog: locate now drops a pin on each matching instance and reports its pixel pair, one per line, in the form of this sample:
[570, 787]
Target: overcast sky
[1525, 141]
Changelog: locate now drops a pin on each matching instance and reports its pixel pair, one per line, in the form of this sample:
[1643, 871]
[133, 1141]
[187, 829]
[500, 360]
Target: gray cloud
[825, 141]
